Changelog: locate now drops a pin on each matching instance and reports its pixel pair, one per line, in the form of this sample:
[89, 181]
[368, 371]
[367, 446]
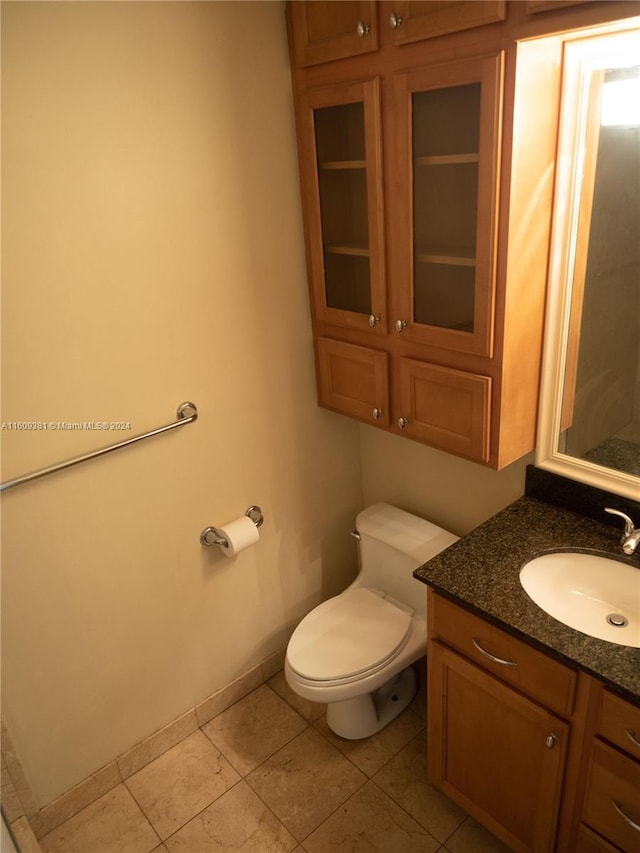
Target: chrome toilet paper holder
[213, 536]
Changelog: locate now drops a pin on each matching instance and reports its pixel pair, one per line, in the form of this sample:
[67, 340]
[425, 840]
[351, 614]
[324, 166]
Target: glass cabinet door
[342, 191]
[448, 162]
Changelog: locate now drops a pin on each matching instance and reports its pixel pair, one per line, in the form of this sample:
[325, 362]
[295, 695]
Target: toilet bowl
[355, 651]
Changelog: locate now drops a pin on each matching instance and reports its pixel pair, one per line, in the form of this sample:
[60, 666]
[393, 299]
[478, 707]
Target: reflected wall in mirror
[590, 397]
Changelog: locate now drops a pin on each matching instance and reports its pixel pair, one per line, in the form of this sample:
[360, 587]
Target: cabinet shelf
[446, 255]
[447, 159]
[355, 249]
[334, 165]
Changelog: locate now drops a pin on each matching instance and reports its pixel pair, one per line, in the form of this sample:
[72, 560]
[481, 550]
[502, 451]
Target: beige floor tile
[370, 821]
[113, 824]
[404, 778]
[473, 838]
[254, 728]
[305, 782]
[372, 753]
[175, 787]
[309, 710]
[238, 822]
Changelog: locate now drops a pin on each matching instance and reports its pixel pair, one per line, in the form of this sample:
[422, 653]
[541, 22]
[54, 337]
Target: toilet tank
[392, 544]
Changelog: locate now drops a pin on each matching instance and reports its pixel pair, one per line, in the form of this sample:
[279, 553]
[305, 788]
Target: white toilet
[354, 652]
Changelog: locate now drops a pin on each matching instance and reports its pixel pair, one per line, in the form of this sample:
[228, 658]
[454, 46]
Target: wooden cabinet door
[353, 380]
[341, 176]
[324, 31]
[533, 6]
[612, 804]
[498, 755]
[446, 408]
[412, 20]
[445, 212]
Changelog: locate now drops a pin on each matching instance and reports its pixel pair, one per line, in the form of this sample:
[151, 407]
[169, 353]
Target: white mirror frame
[581, 57]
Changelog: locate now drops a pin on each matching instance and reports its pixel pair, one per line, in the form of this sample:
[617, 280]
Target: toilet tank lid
[407, 533]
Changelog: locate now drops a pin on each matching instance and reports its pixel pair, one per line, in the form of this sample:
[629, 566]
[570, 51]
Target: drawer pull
[632, 737]
[631, 823]
[492, 657]
[552, 740]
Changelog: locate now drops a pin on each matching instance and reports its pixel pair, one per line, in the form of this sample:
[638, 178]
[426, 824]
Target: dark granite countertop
[481, 573]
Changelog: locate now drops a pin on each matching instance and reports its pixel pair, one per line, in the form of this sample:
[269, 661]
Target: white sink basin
[596, 595]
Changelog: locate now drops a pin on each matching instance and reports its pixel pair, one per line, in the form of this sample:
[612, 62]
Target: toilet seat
[348, 635]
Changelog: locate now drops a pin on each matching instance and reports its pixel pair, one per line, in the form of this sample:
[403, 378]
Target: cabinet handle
[402, 422]
[401, 325]
[395, 20]
[551, 741]
[492, 657]
[632, 737]
[631, 823]
[363, 29]
[377, 413]
[374, 319]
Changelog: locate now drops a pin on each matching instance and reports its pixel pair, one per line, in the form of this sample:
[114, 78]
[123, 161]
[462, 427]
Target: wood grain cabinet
[321, 32]
[426, 175]
[544, 757]
[413, 20]
[611, 804]
[497, 751]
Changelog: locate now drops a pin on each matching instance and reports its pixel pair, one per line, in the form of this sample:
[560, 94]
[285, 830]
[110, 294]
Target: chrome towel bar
[186, 414]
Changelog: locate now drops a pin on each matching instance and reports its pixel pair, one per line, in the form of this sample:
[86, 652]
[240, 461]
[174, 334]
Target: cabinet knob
[402, 422]
[363, 29]
[377, 413]
[401, 325]
[395, 21]
[551, 741]
[374, 319]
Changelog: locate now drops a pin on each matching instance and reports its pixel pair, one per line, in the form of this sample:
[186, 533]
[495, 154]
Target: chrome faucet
[631, 536]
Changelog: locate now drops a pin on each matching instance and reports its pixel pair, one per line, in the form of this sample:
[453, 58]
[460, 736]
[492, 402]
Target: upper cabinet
[321, 31]
[448, 121]
[427, 172]
[341, 163]
[412, 20]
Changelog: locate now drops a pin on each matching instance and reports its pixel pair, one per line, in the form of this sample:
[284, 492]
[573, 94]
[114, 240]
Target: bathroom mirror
[589, 422]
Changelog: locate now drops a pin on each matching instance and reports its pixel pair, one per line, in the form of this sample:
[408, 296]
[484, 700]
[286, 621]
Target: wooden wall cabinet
[546, 759]
[327, 31]
[427, 154]
[413, 20]
[322, 32]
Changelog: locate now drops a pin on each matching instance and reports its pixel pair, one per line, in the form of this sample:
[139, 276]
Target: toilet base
[367, 714]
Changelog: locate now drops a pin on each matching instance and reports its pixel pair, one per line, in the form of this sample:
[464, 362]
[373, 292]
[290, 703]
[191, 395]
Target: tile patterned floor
[268, 776]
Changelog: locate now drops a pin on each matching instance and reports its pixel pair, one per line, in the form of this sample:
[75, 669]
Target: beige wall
[153, 254]
[454, 493]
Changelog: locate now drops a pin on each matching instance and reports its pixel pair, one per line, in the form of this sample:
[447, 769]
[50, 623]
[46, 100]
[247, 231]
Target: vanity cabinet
[545, 758]
[611, 802]
[499, 727]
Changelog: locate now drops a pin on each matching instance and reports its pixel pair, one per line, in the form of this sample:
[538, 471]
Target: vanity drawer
[619, 723]
[611, 805]
[533, 673]
[589, 842]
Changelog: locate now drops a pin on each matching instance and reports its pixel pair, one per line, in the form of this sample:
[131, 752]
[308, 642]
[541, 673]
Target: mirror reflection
[600, 406]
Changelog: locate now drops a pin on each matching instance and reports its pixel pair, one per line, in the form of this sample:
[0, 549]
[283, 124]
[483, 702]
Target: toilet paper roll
[240, 534]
